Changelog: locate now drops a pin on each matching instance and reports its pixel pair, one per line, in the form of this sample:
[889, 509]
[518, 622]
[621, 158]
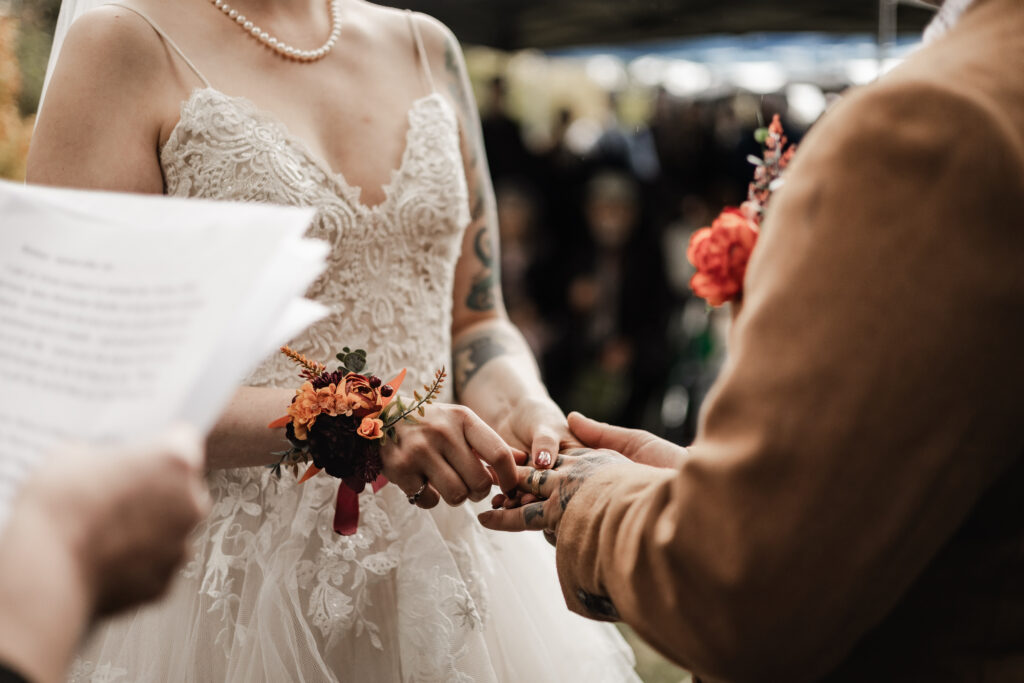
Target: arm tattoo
[474, 353]
[482, 293]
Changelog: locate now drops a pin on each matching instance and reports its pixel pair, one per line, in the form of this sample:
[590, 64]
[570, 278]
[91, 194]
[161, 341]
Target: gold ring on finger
[533, 481]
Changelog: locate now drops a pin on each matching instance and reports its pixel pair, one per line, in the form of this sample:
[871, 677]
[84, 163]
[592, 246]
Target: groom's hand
[550, 491]
[637, 445]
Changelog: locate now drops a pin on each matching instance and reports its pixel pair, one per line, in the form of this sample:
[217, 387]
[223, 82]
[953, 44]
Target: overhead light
[607, 72]
[760, 78]
[683, 79]
[864, 71]
[648, 71]
[806, 102]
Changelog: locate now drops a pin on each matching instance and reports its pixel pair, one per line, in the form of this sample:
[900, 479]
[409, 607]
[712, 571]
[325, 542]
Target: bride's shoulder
[436, 36]
[116, 42]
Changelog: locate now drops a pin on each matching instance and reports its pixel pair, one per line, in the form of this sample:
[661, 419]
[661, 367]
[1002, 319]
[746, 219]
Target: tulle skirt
[273, 594]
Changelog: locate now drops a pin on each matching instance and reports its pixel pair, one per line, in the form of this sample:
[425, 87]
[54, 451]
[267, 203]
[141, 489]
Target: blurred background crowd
[607, 153]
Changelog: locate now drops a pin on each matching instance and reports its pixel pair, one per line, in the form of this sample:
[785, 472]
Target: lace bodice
[391, 266]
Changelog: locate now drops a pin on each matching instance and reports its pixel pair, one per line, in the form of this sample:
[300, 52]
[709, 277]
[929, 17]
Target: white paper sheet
[122, 313]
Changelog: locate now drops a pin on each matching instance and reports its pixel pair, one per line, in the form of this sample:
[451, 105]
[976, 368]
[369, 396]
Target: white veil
[69, 11]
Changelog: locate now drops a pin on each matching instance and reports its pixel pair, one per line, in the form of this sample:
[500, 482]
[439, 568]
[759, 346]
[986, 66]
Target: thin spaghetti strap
[420, 49]
[167, 39]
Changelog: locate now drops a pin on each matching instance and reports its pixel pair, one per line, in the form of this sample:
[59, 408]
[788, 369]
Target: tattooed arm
[495, 372]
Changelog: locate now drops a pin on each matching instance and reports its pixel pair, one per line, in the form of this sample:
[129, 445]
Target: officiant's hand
[549, 492]
[636, 444]
[117, 519]
[443, 456]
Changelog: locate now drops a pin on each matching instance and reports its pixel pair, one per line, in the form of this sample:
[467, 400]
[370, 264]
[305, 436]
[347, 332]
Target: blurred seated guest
[852, 508]
[507, 154]
[630, 148]
[524, 262]
[93, 533]
[617, 305]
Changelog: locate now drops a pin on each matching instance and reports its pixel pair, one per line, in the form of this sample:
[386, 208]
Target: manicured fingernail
[544, 459]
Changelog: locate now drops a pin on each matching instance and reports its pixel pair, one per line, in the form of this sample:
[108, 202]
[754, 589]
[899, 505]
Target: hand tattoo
[581, 471]
[532, 512]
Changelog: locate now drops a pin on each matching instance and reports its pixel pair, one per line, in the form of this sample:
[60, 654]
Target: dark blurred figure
[630, 148]
[611, 358]
[507, 155]
[523, 262]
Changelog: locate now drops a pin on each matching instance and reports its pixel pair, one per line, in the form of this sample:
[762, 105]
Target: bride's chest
[225, 148]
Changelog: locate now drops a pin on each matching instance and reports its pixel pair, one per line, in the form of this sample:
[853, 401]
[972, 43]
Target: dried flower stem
[299, 359]
[432, 392]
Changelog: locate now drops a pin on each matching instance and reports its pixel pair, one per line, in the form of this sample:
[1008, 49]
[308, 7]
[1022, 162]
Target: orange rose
[304, 410]
[363, 398]
[720, 254]
[371, 428]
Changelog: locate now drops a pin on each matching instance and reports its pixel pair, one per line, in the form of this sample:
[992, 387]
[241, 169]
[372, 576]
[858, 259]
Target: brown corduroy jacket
[853, 505]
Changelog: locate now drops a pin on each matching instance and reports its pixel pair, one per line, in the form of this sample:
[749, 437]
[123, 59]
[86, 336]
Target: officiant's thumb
[594, 434]
[186, 442]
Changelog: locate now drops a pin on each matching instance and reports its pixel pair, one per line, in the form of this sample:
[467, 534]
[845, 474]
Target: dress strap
[420, 49]
[167, 40]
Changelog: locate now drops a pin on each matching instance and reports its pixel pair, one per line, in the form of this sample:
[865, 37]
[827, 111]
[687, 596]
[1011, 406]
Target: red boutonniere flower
[720, 253]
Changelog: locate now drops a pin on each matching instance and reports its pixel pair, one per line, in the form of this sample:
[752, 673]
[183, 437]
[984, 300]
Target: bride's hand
[538, 427]
[443, 456]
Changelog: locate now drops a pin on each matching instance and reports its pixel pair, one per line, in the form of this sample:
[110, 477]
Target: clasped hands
[451, 454]
[535, 455]
[542, 495]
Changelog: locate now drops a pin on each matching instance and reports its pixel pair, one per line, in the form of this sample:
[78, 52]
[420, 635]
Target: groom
[853, 506]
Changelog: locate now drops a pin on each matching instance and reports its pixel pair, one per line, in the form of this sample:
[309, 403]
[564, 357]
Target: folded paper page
[122, 313]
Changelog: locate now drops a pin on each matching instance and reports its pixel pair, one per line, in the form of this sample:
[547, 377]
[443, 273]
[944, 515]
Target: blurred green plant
[15, 129]
[33, 51]
[26, 29]
[650, 666]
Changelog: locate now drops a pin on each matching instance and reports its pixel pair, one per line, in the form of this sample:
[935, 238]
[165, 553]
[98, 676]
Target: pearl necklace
[279, 46]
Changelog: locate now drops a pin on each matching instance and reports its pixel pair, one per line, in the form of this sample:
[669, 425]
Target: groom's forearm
[494, 369]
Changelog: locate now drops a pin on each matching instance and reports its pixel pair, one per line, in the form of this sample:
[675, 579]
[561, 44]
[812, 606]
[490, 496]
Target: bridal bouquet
[338, 422]
[721, 252]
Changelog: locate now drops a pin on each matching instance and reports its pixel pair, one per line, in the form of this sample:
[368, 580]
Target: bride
[365, 113]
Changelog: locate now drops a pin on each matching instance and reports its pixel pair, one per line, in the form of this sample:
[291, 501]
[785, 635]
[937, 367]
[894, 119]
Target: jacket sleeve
[870, 398]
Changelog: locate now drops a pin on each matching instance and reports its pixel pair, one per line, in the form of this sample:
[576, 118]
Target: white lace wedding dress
[272, 593]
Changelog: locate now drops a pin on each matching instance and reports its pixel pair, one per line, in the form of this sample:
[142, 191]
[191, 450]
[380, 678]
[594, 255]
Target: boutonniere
[721, 251]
